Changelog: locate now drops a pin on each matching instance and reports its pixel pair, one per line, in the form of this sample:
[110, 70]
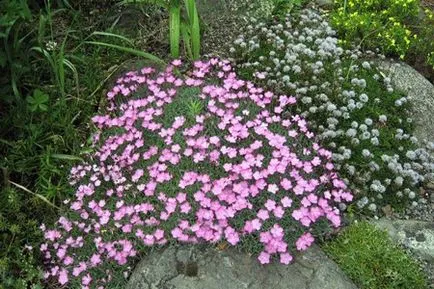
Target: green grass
[372, 261]
[42, 137]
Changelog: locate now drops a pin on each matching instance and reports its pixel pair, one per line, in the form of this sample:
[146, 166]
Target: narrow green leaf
[128, 50]
[174, 29]
[67, 157]
[113, 35]
[35, 194]
[193, 20]
[72, 67]
[195, 32]
[185, 32]
[161, 3]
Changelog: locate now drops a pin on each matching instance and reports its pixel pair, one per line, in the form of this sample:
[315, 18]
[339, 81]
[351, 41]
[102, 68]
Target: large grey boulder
[193, 267]
[418, 236]
[420, 91]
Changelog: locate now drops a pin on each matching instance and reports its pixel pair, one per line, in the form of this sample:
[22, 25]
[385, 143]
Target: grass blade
[71, 66]
[41, 197]
[67, 157]
[100, 33]
[186, 38]
[174, 29]
[193, 18]
[161, 3]
[195, 31]
[128, 50]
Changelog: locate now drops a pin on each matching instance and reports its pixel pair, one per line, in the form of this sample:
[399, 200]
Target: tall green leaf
[174, 30]
[128, 50]
[186, 38]
[193, 18]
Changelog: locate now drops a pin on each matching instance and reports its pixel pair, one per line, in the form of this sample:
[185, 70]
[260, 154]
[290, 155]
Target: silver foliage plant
[300, 55]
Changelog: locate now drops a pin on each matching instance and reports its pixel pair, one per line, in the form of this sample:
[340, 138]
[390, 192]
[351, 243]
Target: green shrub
[376, 23]
[371, 260]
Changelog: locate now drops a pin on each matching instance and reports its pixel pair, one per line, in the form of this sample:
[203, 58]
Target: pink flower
[278, 212]
[270, 205]
[273, 188]
[264, 258]
[286, 202]
[176, 62]
[286, 184]
[263, 214]
[285, 258]
[63, 277]
[95, 259]
[304, 241]
[256, 224]
[86, 279]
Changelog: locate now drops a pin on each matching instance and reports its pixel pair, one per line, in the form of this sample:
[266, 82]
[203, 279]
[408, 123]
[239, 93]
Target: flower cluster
[350, 104]
[257, 9]
[239, 167]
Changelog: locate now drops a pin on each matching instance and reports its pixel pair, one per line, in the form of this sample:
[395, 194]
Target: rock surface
[416, 236]
[421, 92]
[325, 3]
[193, 267]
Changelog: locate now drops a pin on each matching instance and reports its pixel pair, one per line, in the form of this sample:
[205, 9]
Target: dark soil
[418, 62]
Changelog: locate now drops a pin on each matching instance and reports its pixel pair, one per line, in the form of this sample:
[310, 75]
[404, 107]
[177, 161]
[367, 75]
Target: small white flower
[372, 207]
[368, 121]
[366, 153]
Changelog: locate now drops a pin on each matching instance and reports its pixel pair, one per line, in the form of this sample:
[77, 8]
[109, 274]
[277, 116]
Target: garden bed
[294, 137]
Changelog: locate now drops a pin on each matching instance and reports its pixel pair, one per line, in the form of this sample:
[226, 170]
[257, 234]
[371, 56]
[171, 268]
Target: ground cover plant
[193, 155]
[398, 27]
[371, 260]
[350, 103]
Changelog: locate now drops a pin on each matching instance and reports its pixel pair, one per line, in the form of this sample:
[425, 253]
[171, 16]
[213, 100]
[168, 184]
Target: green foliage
[182, 24]
[38, 101]
[17, 263]
[13, 17]
[424, 43]
[282, 7]
[382, 24]
[371, 260]
[44, 114]
[192, 29]
[391, 25]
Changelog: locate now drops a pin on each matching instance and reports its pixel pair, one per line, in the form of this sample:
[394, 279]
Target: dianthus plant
[193, 155]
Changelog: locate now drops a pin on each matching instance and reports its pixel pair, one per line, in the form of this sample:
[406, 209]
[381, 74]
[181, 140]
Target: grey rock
[430, 185]
[418, 236]
[196, 267]
[420, 92]
[324, 3]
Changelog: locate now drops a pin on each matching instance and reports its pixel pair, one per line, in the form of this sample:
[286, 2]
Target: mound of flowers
[349, 103]
[193, 155]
